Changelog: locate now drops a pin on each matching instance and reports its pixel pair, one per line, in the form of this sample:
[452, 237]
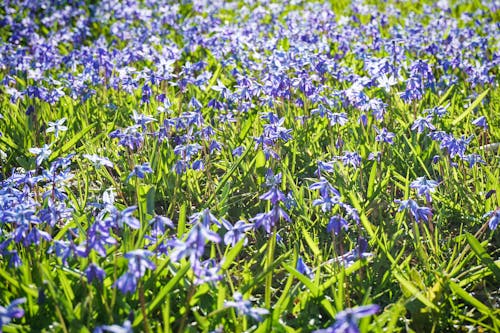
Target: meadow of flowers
[264, 166]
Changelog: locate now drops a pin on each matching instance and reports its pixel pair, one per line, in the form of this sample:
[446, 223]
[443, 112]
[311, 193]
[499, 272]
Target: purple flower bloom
[351, 158]
[12, 311]
[424, 187]
[494, 216]
[384, 135]
[421, 123]
[140, 171]
[94, 272]
[244, 307]
[139, 262]
[303, 269]
[347, 321]
[98, 161]
[481, 122]
[337, 223]
[41, 153]
[419, 213]
[127, 283]
[235, 233]
[56, 127]
[125, 328]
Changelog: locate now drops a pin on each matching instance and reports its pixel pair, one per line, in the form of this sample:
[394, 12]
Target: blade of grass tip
[181, 224]
[414, 291]
[66, 147]
[228, 175]
[304, 279]
[455, 288]
[163, 293]
[445, 96]
[231, 255]
[471, 107]
[482, 255]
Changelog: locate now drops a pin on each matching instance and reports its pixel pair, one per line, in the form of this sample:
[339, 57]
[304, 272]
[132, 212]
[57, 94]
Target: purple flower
[235, 233]
[419, 213]
[337, 223]
[481, 122]
[125, 328]
[424, 187]
[140, 171]
[302, 268]
[244, 307]
[56, 127]
[384, 135]
[351, 158]
[494, 216]
[98, 161]
[347, 321]
[12, 311]
[421, 123]
[127, 283]
[41, 153]
[139, 262]
[94, 272]
[473, 159]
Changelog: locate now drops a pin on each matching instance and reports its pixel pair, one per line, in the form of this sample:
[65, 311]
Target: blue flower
[494, 218]
[125, 328]
[302, 268]
[347, 321]
[424, 187]
[244, 307]
[12, 311]
[140, 171]
[419, 213]
[481, 122]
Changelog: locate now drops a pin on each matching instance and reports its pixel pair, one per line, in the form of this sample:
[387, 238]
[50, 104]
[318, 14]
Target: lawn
[249, 166]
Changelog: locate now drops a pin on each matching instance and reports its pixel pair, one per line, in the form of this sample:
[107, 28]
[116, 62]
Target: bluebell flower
[94, 272]
[419, 213]
[350, 158]
[139, 262]
[327, 202]
[337, 118]
[41, 153]
[494, 216]
[336, 224]
[140, 171]
[384, 135]
[125, 328]
[302, 268]
[424, 187]
[206, 271]
[56, 127]
[421, 123]
[473, 159]
[127, 283]
[347, 321]
[12, 311]
[98, 161]
[481, 122]
[235, 233]
[244, 307]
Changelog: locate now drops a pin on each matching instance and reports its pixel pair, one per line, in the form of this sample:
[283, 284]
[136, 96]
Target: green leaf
[304, 279]
[231, 255]
[71, 142]
[164, 291]
[312, 244]
[414, 291]
[455, 288]
[482, 255]
[471, 107]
